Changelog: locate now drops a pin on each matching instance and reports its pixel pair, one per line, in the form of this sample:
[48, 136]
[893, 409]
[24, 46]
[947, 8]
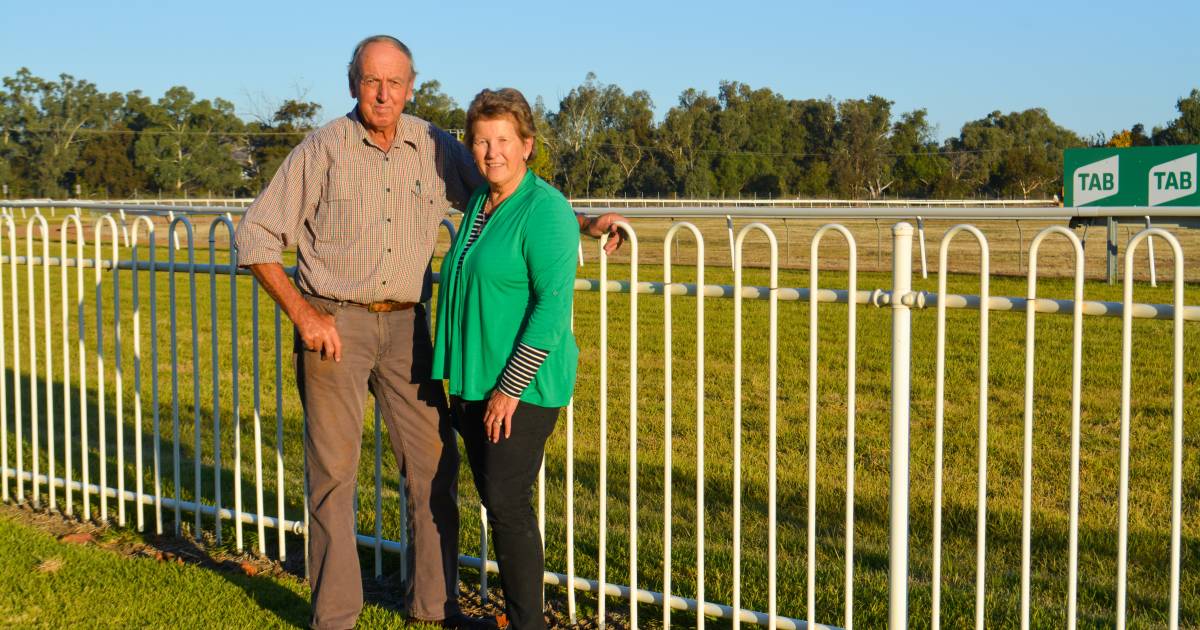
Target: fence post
[1111, 252]
[902, 234]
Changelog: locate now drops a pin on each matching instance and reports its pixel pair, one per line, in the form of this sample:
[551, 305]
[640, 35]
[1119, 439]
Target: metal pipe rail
[632, 202]
[957, 210]
[50, 391]
[618, 202]
[1157, 214]
[874, 297]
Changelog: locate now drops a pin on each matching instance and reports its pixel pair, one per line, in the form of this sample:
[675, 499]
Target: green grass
[1150, 476]
[50, 584]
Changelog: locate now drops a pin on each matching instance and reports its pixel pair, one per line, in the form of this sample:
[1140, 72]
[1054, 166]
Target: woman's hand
[497, 418]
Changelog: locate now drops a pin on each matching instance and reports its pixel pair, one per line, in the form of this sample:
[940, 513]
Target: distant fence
[673, 202]
[64, 431]
[918, 211]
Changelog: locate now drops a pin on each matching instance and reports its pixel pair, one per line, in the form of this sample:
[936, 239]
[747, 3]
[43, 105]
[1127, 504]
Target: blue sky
[1095, 66]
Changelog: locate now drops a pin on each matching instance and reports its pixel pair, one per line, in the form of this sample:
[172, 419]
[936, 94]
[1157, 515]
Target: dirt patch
[50, 565]
[127, 542]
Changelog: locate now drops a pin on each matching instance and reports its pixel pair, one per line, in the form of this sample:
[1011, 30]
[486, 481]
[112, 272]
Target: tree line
[64, 137]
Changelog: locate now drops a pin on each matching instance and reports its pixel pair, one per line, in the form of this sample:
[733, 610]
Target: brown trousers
[389, 354]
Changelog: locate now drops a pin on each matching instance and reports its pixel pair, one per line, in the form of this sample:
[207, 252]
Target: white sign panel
[1171, 180]
[1097, 180]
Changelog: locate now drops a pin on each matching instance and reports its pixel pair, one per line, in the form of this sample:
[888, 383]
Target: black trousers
[504, 473]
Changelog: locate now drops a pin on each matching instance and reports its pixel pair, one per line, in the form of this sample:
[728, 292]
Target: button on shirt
[364, 222]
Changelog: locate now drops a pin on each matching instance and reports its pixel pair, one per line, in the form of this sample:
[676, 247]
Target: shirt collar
[407, 130]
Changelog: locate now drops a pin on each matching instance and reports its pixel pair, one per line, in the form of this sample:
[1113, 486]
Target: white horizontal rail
[875, 297]
[150, 500]
[862, 211]
[881, 298]
[241, 201]
[619, 202]
[630, 202]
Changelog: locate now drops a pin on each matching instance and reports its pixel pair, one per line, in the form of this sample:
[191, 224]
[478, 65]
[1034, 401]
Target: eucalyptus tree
[1018, 154]
[599, 137]
[862, 160]
[689, 140]
[750, 129]
[106, 167]
[13, 151]
[1186, 128]
[53, 120]
[193, 145]
[439, 108]
[1033, 167]
[917, 163]
[271, 140]
[809, 141]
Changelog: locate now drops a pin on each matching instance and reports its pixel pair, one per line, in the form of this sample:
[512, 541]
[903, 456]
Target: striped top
[525, 361]
[363, 221]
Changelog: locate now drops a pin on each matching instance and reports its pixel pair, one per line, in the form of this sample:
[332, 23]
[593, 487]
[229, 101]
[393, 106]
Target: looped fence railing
[58, 431]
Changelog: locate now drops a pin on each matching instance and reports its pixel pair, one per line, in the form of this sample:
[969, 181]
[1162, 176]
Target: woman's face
[500, 151]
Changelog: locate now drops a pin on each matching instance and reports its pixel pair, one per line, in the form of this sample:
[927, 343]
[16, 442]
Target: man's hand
[497, 418]
[319, 333]
[317, 330]
[596, 227]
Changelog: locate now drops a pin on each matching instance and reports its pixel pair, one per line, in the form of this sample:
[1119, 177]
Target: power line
[814, 154]
[159, 132]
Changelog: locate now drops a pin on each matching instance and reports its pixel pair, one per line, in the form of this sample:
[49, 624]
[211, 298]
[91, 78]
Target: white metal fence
[64, 338]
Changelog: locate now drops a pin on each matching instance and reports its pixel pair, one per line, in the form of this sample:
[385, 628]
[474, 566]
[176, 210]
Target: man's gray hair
[355, 68]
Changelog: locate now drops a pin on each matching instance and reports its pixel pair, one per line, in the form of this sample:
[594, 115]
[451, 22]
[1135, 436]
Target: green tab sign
[1135, 176]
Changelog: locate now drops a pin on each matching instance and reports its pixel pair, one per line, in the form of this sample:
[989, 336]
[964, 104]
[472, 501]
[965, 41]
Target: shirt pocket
[429, 208]
[341, 218]
[430, 187]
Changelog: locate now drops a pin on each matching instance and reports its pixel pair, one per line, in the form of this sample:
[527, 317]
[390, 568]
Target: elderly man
[361, 199]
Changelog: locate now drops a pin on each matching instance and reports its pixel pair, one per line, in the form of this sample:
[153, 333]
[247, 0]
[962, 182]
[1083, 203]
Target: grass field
[51, 584]
[1150, 476]
[104, 583]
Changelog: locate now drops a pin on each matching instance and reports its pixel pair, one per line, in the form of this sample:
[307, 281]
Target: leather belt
[386, 306]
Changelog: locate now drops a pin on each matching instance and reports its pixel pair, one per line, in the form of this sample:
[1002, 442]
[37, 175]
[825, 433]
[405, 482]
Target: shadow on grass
[290, 608]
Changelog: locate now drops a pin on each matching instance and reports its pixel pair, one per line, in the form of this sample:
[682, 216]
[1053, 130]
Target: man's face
[385, 86]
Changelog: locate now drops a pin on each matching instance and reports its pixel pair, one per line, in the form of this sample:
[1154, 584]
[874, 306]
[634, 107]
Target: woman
[504, 338]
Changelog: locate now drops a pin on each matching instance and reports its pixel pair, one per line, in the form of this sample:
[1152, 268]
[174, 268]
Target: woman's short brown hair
[493, 104]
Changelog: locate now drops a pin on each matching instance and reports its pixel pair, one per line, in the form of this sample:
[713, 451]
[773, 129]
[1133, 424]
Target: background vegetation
[65, 137]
